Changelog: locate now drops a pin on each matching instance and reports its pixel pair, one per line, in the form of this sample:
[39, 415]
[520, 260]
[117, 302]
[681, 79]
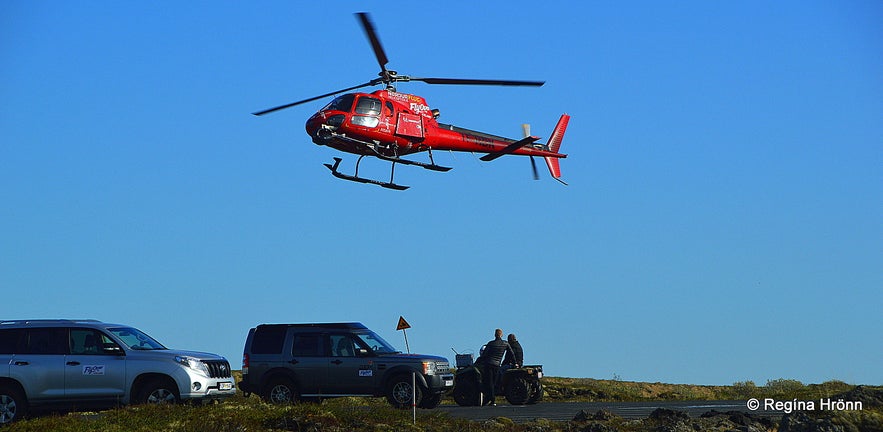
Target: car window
[306, 345]
[268, 340]
[10, 340]
[342, 345]
[92, 342]
[46, 341]
[376, 343]
[136, 339]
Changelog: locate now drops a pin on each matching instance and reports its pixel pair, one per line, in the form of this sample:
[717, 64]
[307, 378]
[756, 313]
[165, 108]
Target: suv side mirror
[362, 352]
[113, 349]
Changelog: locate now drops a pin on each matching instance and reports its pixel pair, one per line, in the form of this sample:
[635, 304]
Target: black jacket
[494, 351]
[517, 355]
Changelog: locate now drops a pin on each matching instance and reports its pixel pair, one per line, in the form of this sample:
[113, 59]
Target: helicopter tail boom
[554, 145]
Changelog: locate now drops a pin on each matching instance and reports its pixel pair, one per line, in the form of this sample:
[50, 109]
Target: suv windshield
[377, 344]
[135, 339]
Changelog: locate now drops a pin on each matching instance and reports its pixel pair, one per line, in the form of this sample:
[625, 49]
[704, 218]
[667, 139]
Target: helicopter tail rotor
[533, 162]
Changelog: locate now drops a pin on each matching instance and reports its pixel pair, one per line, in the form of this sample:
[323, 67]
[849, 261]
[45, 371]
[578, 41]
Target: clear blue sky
[723, 222]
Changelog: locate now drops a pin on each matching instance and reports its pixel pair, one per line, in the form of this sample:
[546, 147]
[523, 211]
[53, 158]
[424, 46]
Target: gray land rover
[90, 363]
[285, 362]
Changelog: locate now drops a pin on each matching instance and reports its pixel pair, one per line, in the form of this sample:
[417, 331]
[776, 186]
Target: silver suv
[87, 362]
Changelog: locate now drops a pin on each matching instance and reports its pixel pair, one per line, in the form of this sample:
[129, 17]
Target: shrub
[783, 386]
[745, 389]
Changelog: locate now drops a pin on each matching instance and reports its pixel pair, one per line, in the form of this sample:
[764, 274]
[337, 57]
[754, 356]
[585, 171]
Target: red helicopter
[388, 125]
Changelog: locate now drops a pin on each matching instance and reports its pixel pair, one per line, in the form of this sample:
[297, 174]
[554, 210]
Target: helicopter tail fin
[554, 145]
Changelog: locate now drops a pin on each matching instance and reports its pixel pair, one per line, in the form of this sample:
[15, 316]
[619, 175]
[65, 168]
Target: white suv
[87, 362]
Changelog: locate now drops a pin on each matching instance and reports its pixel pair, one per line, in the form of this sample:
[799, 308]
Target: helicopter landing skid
[356, 178]
[394, 159]
[429, 166]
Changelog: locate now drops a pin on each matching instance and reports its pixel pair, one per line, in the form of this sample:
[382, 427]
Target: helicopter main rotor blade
[462, 81]
[388, 76]
[368, 26]
[282, 107]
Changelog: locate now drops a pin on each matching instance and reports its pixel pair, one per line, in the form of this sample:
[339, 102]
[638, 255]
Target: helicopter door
[409, 125]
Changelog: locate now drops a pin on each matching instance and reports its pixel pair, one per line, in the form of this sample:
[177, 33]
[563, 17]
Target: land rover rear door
[306, 359]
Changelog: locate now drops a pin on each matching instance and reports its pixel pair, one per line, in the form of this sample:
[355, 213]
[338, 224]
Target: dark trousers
[489, 382]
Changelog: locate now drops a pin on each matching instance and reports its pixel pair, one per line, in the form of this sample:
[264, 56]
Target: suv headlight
[193, 364]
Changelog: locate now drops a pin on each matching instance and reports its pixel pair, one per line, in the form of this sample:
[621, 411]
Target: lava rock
[801, 422]
[666, 415]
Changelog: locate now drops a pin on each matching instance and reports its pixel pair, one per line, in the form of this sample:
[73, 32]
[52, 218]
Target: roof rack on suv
[48, 321]
[337, 326]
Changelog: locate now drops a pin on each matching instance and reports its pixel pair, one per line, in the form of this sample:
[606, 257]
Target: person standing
[490, 360]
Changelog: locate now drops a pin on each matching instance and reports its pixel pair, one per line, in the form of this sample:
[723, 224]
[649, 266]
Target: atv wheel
[518, 391]
[536, 393]
[467, 393]
[431, 401]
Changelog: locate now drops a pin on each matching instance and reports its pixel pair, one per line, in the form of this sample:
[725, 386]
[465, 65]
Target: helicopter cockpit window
[342, 103]
[368, 106]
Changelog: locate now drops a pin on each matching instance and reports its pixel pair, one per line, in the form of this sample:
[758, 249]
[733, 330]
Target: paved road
[563, 411]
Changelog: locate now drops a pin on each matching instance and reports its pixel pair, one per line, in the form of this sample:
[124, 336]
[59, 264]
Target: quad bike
[520, 386]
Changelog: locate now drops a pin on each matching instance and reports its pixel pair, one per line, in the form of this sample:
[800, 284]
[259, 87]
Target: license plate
[225, 386]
